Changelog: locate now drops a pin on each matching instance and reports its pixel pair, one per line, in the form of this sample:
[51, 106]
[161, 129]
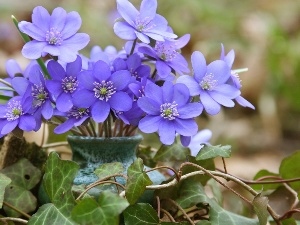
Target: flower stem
[26, 39]
[133, 46]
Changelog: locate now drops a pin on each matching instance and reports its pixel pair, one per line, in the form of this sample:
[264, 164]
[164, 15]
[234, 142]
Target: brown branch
[16, 209]
[13, 219]
[181, 209]
[96, 184]
[166, 167]
[168, 215]
[158, 206]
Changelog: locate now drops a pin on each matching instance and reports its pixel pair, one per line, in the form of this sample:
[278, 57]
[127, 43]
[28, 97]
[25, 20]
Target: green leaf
[109, 169]
[192, 193]
[290, 168]
[203, 222]
[4, 181]
[49, 214]
[104, 212]
[137, 181]
[260, 204]
[140, 214]
[172, 152]
[264, 187]
[208, 152]
[57, 182]
[24, 176]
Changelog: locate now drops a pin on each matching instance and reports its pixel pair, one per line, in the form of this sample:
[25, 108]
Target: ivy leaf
[24, 176]
[192, 193]
[137, 181]
[4, 181]
[140, 214]
[208, 152]
[172, 152]
[265, 187]
[290, 168]
[104, 212]
[109, 169]
[57, 182]
[203, 222]
[49, 213]
[260, 204]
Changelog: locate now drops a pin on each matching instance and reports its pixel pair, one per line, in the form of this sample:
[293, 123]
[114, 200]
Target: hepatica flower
[55, 34]
[234, 78]
[167, 56]
[64, 83]
[103, 91]
[168, 111]
[143, 24]
[15, 115]
[209, 82]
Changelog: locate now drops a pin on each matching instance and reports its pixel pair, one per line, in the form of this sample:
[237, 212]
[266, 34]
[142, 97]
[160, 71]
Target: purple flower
[108, 55]
[103, 90]
[167, 56]
[15, 115]
[35, 93]
[197, 141]
[168, 111]
[234, 78]
[64, 83]
[143, 24]
[210, 83]
[54, 34]
[75, 117]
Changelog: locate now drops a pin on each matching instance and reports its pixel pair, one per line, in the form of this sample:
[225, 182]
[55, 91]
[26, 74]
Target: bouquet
[146, 85]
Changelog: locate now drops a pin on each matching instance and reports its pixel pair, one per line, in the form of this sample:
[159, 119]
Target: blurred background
[265, 36]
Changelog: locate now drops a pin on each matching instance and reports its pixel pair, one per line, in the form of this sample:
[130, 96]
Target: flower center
[208, 83]
[165, 52]
[69, 84]
[169, 111]
[39, 95]
[14, 110]
[104, 90]
[78, 113]
[143, 24]
[53, 36]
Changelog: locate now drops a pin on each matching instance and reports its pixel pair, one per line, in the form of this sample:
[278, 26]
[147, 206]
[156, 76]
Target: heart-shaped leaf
[208, 152]
[104, 212]
[57, 182]
[140, 214]
[24, 176]
[192, 193]
[109, 169]
[137, 181]
[290, 168]
[4, 181]
[172, 152]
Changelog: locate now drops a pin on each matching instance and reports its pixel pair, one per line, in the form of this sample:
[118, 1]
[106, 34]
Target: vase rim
[76, 137]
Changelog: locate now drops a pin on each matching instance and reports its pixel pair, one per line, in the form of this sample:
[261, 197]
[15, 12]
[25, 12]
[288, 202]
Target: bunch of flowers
[147, 85]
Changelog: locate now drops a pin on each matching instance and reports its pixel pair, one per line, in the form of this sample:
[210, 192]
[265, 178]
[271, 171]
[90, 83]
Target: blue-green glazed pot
[92, 152]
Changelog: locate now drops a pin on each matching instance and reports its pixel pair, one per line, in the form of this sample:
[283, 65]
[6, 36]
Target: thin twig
[181, 209]
[165, 167]
[16, 209]
[14, 219]
[96, 184]
[224, 164]
[158, 206]
[216, 179]
[168, 215]
[56, 144]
